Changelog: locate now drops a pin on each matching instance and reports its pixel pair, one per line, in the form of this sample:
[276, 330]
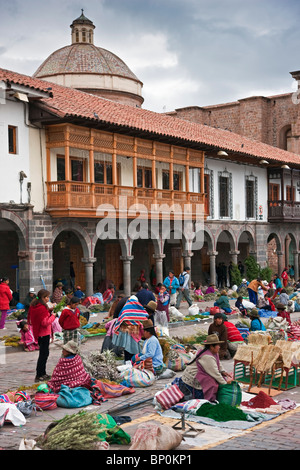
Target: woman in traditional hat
[282, 312]
[151, 349]
[204, 374]
[69, 370]
[256, 323]
[150, 309]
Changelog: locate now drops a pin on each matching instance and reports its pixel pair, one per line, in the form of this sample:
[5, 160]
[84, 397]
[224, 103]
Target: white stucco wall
[239, 172]
[12, 113]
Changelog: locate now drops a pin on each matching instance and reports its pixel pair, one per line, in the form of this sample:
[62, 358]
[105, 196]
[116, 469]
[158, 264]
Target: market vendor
[69, 370]
[203, 375]
[223, 302]
[282, 312]
[218, 328]
[256, 323]
[151, 349]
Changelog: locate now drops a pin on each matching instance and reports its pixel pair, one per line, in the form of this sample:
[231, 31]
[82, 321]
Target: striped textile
[46, 401]
[133, 313]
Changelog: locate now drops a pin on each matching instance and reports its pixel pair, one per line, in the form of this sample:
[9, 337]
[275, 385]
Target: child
[163, 300]
[27, 338]
[198, 290]
[69, 321]
[283, 297]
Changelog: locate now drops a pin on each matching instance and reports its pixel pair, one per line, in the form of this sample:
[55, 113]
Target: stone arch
[275, 248]
[245, 243]
[226, 234]
[19, 226]
[15, 256]
[70, 226]
[283, 137]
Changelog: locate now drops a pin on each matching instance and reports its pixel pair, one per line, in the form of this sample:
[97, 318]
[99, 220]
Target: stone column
[234, 256]
[127, 273]
[89, 275]
[212, 263]
[280, 255]
[159, 267]
[296, 264]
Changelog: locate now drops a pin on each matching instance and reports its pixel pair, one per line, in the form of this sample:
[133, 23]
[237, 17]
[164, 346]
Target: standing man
[184, 289]
[72, 276]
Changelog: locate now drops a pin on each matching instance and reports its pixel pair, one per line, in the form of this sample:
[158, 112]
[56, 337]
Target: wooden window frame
[290, 193]
[106, 164]
[84, 170]
[14, 137]
[142, 168]
[179, 173]
[273, 187]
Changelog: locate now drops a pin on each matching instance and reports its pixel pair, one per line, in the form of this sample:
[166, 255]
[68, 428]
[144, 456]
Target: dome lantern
[82, 30]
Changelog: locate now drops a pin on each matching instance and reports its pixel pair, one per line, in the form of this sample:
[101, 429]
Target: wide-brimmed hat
[147, 324]
[151, 305]
[280, 306]
[212, 339]
[59, 284]
[71, 347]
[254, 313]
[32, 290]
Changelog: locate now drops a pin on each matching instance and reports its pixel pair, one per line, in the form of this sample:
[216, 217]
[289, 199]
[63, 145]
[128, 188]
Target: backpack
[181, 279]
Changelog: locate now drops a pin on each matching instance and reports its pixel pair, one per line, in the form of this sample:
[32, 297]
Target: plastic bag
[12, 413]
[161, 319]
[174, 313]
[193, 309]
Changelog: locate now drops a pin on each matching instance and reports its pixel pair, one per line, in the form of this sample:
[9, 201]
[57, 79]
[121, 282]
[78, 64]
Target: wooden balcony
[77, 199]
[283, 211]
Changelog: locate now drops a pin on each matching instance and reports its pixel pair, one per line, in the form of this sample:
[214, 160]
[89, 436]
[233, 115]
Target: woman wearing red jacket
[5, 298]
[40, 318]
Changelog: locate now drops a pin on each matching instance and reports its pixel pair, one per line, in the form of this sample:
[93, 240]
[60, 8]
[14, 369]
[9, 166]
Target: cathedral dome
[92, 69]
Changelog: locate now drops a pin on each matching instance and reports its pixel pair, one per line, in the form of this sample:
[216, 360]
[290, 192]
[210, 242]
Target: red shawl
[70, 372]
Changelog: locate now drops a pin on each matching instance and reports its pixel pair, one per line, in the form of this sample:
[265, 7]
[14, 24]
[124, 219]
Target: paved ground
[17, 369]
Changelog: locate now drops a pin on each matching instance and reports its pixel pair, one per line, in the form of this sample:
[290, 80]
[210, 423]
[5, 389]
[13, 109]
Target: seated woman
[282, 312]
[151, 349]
[223, 302]
[69, 370]
[239, 304]
[256, 323]
[266, 303]
[203, 374]
[218, 328]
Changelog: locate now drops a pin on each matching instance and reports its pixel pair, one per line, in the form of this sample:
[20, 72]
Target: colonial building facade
[117, 189]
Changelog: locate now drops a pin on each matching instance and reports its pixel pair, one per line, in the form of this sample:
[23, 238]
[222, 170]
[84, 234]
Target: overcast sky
[186, 52]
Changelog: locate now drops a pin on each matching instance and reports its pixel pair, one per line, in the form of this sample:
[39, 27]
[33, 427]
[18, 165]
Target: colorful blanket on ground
[111, 389]
[133, 313]
[70, 372]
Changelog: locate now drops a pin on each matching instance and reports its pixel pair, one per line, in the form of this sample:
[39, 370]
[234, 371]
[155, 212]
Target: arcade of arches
[36, 250]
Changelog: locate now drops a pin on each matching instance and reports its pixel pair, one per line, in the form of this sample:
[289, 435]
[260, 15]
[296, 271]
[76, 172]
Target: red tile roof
[67, 103]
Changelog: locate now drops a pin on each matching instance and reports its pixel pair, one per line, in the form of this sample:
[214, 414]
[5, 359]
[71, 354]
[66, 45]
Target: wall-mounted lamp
[285, 167]
[263, 162]
[221, 153]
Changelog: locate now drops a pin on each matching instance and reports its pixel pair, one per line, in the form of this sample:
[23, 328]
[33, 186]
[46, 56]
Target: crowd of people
[131, 324]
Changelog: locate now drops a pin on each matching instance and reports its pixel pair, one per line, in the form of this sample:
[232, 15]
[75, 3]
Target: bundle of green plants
[73, 432]
[61, 305]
